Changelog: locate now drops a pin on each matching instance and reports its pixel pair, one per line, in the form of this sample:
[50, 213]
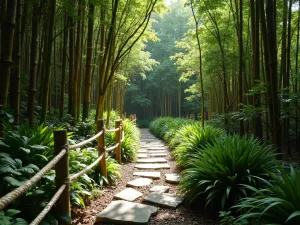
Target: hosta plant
[277, 203]
[193, 141]
[219, 172]
[9, 217]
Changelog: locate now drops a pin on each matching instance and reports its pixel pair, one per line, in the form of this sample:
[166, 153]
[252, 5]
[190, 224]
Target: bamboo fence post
[101, 148]
[62, 173]
[118, 140]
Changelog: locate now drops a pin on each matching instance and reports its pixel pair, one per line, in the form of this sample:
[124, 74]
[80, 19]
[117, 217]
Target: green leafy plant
[217, 174]
[9, 217]
[227, 219]
[277, 203]
[193, 139]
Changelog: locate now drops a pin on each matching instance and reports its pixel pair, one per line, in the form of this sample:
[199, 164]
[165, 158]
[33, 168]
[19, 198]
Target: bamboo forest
[157, 112]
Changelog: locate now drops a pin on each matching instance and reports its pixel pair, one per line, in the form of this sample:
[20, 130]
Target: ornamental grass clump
[218, 173]
[277, 203]
[193, 138]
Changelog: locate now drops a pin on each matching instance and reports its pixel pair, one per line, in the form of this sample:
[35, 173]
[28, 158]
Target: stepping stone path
[154, 160]
[172, 178]
[129, 194]
[139, 182]
[160, 189]
[153, 175]
[163, 199]
[142, 155]
[151, 156]
[126, 212]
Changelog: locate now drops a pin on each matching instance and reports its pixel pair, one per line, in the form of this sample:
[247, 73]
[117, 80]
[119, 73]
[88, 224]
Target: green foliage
[166, 127]
[217, 174]
[9, 217]
[129, 145]
[227, 219]
[193, 138]
[277, 203]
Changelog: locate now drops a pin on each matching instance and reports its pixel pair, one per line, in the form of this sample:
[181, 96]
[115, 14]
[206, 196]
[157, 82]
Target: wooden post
[62, 173]
[118, 140]
[101, 148]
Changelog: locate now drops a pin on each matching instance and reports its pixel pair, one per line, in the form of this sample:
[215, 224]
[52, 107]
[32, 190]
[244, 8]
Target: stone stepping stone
[154, 160]
[158, 154]
[172, 178]
[164, 200]
[142, 155]
[123, 212]
[157, 148]
[160, 189]
[129, 194]
[153, 175]
[153, 166]
[142, 151]
[139, 182]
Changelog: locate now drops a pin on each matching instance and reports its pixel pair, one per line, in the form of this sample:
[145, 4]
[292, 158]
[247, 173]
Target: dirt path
[181, 215]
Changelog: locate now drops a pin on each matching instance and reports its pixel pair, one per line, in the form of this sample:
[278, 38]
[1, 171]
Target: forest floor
[183, 215]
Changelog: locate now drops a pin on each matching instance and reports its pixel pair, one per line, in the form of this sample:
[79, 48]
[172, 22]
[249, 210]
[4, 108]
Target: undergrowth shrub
[165, 127]
[130, 144]
[193, 138]
[217, 174]
[277, 203]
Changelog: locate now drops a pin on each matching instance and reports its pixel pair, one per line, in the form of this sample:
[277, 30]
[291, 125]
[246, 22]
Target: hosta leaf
[20, 221]
[8, 170]
[12, 181]
[26, 150]
[12, 212]
[34, 167]
[5, 220]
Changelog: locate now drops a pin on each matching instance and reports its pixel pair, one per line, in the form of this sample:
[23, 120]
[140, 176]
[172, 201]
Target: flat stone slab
[157, 148]
[154, 160]
[158, 154]
[129, 194]
[153, 175]
[123, 212]
[160, 189]
[164, 200]
[142, 151]
[139, 182]
[153, 166]
[172, 178]
[142, 155]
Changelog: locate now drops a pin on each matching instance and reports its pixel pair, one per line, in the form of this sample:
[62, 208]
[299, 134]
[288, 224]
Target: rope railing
[49, 206]
[11, 196]
[61, 163]
[112, 130]
[85, 142]
[112, 147]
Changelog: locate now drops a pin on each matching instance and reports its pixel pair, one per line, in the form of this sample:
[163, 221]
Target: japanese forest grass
[218, 174]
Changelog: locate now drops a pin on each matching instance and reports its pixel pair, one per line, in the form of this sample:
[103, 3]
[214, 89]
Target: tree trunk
[63, 72]
[47, 59]
[33, 63]
[7, 42]
[89, 64]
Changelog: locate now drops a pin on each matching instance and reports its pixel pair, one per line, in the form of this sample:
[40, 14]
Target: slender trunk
[200, 65]
[7, 42]
[47, 58]
[296, 69]
[89, 65]
[33, 63]
[71, 63]
[270, 15]
[16, 71]
[240, 25]
[63, 72]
